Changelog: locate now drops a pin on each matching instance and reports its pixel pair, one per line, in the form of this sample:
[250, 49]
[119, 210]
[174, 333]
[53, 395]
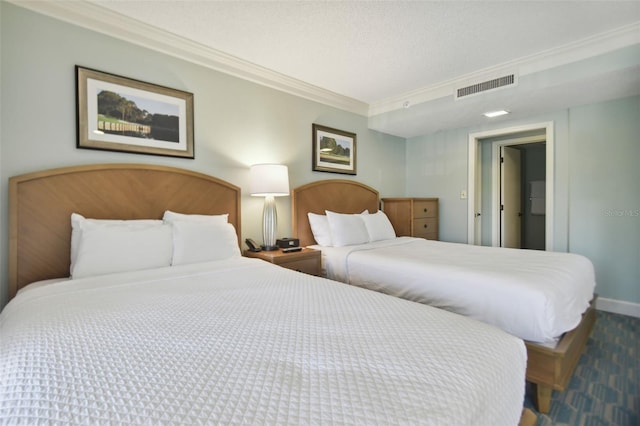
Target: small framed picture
[120, 114]
[333, 150]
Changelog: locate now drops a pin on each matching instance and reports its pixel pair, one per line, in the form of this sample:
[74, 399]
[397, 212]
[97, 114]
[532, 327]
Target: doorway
[519, 207]
[484, 189]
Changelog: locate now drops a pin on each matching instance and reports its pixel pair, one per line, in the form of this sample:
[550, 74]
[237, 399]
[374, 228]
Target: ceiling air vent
[496, 83]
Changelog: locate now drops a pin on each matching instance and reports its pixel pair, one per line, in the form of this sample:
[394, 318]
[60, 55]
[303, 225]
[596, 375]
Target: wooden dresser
[413, 217]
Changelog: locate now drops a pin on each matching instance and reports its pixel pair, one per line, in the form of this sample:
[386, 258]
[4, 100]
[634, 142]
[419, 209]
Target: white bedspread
[535, 295]
[246, 342]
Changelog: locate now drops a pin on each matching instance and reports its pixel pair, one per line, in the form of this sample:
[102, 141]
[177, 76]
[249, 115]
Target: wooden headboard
[41, 203]
[337, 195]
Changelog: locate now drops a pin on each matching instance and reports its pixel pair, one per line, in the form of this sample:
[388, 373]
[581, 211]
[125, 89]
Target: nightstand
[307, 260]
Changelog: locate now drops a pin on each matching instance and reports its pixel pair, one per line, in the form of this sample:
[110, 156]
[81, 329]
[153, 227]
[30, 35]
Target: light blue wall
[604, 216]
[597, 200]
[237, 123]
[437, 166]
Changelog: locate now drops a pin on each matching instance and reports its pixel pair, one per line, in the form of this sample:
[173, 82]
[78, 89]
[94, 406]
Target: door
[510, 198]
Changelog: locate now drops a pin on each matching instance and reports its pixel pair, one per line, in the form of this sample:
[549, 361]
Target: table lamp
[269, 181]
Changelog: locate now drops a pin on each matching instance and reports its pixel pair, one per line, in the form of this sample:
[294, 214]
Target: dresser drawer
[308, 266]
[426, 228]
[306, 260]
[413, 217]
[425, 209]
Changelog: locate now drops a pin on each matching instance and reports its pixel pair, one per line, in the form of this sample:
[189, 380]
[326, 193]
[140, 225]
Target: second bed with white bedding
[534, 295]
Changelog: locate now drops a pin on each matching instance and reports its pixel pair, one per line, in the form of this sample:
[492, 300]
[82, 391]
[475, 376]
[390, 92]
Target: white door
[510, 198]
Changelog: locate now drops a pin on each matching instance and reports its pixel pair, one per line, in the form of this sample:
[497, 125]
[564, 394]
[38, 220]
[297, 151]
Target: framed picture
[120, 114]
[333, 150]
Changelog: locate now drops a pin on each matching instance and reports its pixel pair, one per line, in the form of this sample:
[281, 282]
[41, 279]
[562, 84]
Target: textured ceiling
[376, 52]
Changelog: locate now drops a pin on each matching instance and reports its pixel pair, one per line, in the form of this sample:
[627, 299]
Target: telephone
[253, 246]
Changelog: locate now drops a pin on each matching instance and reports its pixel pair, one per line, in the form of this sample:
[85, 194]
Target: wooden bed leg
[543, 398]
[528, 418]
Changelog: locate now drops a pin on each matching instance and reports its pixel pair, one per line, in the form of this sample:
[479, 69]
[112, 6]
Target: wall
[437, 167]
[597, 201]
[605, 195]
[237, 123]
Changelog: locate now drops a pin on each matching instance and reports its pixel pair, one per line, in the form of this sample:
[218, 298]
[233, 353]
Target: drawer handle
[426, 210]
[426, 226]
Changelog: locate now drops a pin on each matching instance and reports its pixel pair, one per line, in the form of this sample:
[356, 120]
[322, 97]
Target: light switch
[463, 194]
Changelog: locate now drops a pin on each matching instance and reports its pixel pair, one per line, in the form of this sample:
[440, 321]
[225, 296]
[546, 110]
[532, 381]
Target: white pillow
[378, 226]
[195, 242]
[347, 229]
[320, 229]
[172, 217]
[110, 248]
[79, 222]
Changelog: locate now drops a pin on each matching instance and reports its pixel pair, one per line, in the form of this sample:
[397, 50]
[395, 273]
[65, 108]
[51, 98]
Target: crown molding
[561, 55]
[96, 18]
[86, 14]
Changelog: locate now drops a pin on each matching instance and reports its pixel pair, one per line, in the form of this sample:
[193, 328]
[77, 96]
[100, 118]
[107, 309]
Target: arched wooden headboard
[41, 203]
[337, 195]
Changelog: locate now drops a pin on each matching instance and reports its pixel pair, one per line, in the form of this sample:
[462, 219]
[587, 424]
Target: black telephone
[253, 246]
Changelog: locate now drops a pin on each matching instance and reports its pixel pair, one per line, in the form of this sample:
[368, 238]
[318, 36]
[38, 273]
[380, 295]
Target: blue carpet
[605, 387]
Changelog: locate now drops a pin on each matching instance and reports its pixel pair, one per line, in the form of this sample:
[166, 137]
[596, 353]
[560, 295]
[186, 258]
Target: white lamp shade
[269, 180]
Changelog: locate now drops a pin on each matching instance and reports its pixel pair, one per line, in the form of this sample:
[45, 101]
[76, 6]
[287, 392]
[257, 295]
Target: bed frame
[547, 368]
[41, 203]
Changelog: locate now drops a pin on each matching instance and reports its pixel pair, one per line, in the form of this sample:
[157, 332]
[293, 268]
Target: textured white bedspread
[535, 295]
[247, 342]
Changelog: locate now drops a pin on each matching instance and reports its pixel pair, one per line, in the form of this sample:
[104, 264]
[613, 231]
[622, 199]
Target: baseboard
[618, 307]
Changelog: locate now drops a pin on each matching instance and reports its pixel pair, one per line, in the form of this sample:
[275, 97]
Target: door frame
[495, 181]
[474, 187]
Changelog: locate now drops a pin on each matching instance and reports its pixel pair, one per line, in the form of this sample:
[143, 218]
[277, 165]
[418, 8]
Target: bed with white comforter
[535, 295]
[521, 291]
[242, 341]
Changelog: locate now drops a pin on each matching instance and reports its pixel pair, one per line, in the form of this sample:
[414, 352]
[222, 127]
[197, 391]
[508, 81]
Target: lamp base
[269, 224]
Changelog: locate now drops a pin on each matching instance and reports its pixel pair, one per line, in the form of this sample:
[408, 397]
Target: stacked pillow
[340, 229]
[107, 246]
[201, 238]
[104, 246]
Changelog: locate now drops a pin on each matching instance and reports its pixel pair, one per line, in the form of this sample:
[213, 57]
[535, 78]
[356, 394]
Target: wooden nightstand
[307, 260]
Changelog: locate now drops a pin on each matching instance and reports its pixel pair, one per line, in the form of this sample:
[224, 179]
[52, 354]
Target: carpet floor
[605, 387]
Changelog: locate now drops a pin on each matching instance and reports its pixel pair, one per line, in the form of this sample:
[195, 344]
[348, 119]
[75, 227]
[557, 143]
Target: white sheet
[244, 341]
[534, 295]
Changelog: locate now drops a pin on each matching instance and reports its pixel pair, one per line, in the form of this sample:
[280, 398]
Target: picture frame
[334, 150]
[116, 113]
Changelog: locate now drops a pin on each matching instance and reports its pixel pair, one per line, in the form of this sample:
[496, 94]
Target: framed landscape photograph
[120, 114]
[333, 150]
